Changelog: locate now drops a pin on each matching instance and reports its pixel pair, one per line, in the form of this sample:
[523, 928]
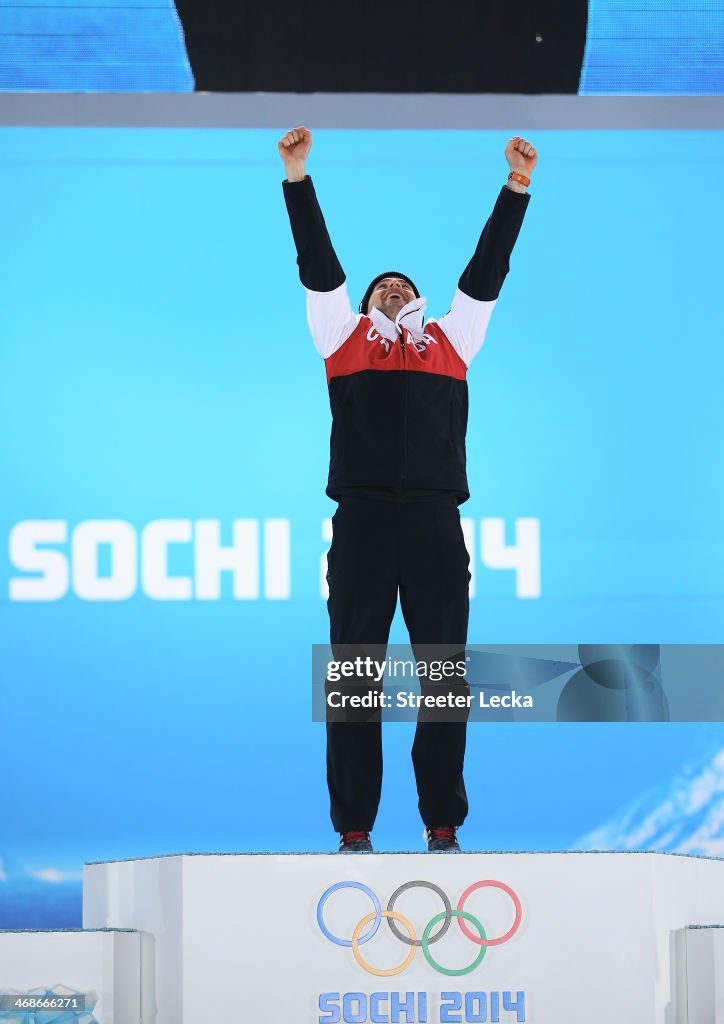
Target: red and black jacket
[398, 391]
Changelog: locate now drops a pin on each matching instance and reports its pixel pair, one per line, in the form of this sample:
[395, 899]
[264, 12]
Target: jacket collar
[410, 317]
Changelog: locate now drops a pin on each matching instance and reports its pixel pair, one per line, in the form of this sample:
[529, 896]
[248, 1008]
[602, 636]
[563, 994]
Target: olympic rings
[349, 885]
[459, 914]
[393, 970]
[374, 920]
[513, 928]
[448, 915]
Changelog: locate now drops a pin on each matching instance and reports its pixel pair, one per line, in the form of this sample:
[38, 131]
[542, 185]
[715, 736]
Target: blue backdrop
[156, 365]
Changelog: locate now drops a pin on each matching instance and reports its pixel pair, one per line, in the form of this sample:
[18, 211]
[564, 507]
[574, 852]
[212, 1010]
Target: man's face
[390, 295]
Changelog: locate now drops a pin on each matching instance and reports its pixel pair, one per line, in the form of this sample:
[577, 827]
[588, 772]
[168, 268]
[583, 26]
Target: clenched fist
[294, 148]
[521, 155]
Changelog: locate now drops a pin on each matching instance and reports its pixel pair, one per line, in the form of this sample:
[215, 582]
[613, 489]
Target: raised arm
[329, 312]
[479, 287]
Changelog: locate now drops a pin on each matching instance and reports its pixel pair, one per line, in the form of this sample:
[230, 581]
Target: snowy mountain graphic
[684, 815]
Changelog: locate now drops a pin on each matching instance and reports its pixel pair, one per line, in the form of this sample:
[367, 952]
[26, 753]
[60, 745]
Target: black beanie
[376, 280]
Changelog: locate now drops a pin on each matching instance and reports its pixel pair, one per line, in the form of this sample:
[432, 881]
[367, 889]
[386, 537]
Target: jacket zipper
[404, 404]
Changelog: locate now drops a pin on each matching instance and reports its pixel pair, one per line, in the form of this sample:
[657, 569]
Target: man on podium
[399, 401]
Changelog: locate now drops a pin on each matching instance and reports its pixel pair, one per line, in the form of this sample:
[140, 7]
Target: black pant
[379, 547]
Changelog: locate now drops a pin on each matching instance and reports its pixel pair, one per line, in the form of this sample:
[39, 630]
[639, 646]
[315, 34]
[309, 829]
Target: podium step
[704, 958]
[544, 938]
[89, 976]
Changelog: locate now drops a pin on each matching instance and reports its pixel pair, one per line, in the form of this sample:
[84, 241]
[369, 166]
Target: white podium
[545, 938]
[705, 974]
[103, 965]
